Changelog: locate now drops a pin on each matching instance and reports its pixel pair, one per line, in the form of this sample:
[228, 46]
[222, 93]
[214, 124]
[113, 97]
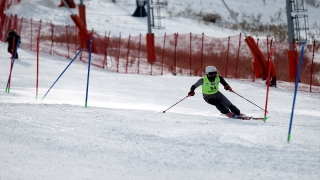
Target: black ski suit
[10, 37]
[217, 99]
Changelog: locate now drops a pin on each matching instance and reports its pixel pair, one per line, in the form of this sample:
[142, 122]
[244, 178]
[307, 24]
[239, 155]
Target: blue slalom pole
[296, 89]
[89, 62]
[62, 73]
[14, 58]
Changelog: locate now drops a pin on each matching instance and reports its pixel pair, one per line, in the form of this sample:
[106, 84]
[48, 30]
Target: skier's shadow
[22, 63]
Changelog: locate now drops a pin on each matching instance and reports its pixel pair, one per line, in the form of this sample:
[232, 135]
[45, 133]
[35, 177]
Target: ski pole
[175, 104]
[250, 101]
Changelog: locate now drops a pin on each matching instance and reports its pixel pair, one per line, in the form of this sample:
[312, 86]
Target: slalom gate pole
[268, 84]
[175, 104]
[249, 101]
[89, 62]
[12, 55]
[295, 90]
[61, 74]
[37, 74]
[11, 66]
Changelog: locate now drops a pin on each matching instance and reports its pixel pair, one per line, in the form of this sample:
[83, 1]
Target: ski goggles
[212, 73]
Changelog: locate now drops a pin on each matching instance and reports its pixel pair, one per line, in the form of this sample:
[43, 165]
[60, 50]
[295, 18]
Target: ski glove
[227, 87]
[191, 93]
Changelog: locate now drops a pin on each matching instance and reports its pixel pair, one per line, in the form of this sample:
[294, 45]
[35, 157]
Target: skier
[12, 34]
[212, 95]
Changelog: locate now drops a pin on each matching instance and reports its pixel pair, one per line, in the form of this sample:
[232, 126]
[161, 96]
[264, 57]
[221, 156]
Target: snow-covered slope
[179, 16]
[123, 134]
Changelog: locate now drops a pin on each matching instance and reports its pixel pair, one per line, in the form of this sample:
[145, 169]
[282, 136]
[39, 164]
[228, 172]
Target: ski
[238, 117]
[251, 118]
[258, 118]
[246, 117]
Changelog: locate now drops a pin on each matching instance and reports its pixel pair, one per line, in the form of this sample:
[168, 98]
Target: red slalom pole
[14, 49]
[12, 56]
[268, 84]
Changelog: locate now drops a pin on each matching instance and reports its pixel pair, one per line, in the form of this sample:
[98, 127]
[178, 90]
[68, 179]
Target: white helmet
[211, 69]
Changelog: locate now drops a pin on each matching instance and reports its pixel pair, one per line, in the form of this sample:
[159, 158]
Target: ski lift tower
[298, 31]
[298, 25]
[157, 21]
[300, 21]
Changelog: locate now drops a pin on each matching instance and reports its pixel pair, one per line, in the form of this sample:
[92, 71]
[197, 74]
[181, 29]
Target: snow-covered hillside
[179, 16]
